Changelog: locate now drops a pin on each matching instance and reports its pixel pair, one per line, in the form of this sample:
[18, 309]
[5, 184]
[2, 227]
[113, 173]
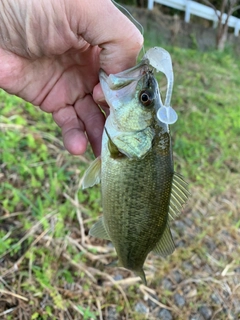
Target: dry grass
[51, 269]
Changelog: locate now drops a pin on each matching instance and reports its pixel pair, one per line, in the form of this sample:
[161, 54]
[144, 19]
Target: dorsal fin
[179, 195]
[92, 175]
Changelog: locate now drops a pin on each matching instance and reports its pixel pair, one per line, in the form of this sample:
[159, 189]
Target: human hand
[51, 52]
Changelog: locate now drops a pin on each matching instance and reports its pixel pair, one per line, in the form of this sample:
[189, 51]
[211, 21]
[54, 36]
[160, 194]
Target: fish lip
[124, 72]
[123, 78]
[103, 75]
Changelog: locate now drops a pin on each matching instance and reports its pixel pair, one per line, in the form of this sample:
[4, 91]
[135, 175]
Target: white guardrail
[198, 9]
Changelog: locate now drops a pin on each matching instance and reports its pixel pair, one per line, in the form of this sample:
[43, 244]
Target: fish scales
[135, 190]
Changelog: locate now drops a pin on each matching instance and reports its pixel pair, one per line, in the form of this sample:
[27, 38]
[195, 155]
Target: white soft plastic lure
[161, 61]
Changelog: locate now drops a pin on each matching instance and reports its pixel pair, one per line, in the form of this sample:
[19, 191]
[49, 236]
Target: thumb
[119, 39]
[108, 28]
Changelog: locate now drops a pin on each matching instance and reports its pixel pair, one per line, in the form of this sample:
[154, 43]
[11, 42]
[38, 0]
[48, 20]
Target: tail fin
[141, 274]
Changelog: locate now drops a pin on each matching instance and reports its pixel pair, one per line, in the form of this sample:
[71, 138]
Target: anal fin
[165, 246]
[92, 175]
[99, 231]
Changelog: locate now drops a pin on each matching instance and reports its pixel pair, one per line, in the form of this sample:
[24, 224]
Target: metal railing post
[150, 4]
[187, 11]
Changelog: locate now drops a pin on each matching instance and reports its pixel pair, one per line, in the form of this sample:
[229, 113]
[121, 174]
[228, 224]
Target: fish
[140, 190]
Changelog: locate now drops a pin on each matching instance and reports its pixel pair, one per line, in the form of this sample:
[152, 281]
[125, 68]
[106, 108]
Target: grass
[51, 269]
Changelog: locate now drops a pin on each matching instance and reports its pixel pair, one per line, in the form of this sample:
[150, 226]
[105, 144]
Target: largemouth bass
[140, 191]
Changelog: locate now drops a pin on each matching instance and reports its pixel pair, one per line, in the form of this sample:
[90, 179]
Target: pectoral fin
[179, 195]
[99, 231]
[92, 175]
[165, 246]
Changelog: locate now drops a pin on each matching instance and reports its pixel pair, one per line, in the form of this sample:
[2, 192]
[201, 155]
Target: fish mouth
[124, 78]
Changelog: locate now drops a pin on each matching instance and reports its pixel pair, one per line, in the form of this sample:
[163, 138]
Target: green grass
[47, 258]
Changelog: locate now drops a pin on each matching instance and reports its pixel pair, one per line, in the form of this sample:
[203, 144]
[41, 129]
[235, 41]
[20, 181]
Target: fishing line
[134, 21]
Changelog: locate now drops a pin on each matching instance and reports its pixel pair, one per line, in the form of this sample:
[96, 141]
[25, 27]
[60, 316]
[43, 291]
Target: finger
[74, 138]
[108, 28]
[93, 120]
[98, 96]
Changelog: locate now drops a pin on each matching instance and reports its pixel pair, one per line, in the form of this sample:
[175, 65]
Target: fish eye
[146, 98]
